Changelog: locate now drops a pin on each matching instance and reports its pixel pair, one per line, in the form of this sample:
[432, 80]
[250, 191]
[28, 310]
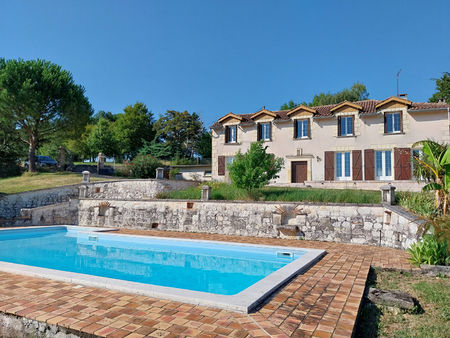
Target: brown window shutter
[402, 163]
[369, 164]
[353, 125]
[221, 165]
[270, 131]
[295, 129]
[227, 134]
[259, 132]
[385, 126]
[309, 127]
[357, 165]
[329, 165]
[339, 125]
[236, 134]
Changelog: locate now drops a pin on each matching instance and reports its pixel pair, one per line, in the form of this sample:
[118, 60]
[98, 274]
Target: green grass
[430, 319]
[35, 181]
[223, 191]
[420, 203]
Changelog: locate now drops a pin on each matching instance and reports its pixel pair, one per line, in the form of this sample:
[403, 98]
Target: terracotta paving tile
[323, 301]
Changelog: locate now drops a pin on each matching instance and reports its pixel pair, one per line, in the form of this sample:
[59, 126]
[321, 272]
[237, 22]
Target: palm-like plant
[434, 166]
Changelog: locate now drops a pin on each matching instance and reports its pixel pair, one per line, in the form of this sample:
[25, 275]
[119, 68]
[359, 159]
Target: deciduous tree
[442, 88]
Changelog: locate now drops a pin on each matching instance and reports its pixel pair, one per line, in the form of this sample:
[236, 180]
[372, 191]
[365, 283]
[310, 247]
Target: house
[350, 144]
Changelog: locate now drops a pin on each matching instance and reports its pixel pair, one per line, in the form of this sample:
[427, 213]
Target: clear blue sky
[213, 57]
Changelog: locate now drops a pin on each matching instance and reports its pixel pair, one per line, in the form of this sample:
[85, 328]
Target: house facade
[350, 142]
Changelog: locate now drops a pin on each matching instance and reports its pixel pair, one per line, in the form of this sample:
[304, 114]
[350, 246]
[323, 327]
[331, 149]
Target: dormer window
[230, 134]
[393, 123]
[264, 131]
[301, 129]
[345, 126]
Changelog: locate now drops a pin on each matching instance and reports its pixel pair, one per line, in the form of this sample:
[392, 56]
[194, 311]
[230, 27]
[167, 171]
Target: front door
[299, 171]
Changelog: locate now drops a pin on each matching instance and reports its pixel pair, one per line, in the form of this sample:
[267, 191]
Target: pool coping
[244, 301]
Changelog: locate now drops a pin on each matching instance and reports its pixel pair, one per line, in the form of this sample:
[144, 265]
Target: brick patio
[323, 302]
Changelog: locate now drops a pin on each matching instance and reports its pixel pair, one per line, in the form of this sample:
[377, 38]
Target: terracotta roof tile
[369, 107]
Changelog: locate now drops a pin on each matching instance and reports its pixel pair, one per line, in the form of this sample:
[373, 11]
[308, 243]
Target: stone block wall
[55, 214]
[360, 224]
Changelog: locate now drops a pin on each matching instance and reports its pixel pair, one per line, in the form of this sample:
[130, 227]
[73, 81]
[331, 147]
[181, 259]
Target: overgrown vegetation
[144, 166]
[35, 181]
[431, 319]
[432, 249]
[420, 203]
[224, 191]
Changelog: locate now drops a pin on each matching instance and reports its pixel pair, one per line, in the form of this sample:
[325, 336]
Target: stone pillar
[86, 177]
[100, 162]
[206, 193]
[159, 173]
[388, 194]
[61, 158]
[82, 191]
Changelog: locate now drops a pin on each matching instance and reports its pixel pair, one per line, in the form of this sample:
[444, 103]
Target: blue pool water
[224, 269]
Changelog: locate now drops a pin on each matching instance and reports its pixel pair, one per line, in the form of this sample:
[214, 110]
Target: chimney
[441, 100]
[403, 96]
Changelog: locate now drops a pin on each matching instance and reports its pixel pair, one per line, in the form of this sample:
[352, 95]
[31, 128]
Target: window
[383, 165]
[392, 123]
[230, 134]
[264, 131]
[345, 126]
[301, 129]
[343, 171]
[230, 160]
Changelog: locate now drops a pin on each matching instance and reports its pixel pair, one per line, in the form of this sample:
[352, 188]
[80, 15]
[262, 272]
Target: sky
[218, 56]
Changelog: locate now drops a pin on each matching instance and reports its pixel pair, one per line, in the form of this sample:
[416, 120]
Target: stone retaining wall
[361, 224]
[55, 214]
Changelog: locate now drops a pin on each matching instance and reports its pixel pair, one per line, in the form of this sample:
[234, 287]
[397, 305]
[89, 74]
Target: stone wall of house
[361, 224]
[10, 205]
[131, 189]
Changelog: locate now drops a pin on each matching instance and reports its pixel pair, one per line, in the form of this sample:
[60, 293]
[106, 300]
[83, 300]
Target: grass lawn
[27, 182]
[223, 191]
[432, 320]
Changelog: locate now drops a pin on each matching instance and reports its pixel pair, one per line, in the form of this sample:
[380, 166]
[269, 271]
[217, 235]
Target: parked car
[43, 161]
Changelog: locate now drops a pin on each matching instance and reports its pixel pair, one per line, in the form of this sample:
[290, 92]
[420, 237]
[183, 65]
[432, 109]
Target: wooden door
[299, 171]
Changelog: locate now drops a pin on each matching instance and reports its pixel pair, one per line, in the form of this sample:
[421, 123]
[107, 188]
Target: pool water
[224, 269]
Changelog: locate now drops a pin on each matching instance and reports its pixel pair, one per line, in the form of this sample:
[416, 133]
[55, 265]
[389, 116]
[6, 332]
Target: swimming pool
[226, 275]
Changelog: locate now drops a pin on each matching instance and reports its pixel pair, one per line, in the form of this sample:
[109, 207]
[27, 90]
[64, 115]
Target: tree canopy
[442, 88]
[102, 138]
[356, 92]
[42, 100]
[180, 131]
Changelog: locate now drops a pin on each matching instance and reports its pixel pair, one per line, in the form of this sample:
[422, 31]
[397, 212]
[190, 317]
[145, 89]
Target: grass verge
[223, 191]
[431, 320]
[35, 181]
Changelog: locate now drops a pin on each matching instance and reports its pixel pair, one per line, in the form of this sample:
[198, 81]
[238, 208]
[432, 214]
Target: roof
[368, 108]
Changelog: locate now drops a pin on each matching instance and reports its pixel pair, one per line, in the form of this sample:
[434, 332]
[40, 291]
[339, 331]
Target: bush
[431, 250]
[144, 166]
[173, 173]
[9, 169]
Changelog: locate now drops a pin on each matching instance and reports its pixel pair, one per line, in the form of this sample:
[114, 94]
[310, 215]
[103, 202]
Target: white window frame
[346, 125]
[302, 135]
[230, 128]
[383, 176]
[342, 155]
[265, 129]
[393, 114]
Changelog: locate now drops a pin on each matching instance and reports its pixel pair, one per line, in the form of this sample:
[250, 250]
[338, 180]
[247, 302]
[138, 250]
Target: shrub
[431, 250]
[144, 166]
[173, 173]
[9, 169]
[420, 203]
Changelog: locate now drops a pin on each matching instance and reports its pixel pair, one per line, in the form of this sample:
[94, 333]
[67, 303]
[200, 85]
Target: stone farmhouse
[351, 144]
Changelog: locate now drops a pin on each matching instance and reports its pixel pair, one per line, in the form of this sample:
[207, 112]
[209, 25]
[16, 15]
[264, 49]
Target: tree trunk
[32, 154]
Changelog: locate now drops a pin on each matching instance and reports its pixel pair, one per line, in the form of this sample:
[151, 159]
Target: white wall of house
[369, 133]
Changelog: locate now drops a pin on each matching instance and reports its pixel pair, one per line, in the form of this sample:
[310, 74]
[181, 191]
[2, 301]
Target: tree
[442, 88]
[179, 130]
[434, 166]
[102, 138]
[203, 147]
[357, 92]
[133, 127]
[107, 115]
[11, 149]
[255, 168]
[42, 100]
[155, 149]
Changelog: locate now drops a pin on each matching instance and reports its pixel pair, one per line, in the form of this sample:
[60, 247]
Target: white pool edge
[244, 301]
